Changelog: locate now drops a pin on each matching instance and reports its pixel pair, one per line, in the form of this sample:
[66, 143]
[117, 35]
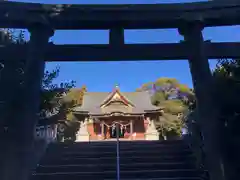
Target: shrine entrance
[123, 129]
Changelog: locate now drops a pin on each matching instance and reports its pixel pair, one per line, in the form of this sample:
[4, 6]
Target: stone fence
[47, 133]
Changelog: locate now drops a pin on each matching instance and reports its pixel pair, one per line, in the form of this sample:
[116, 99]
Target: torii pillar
[17, 140]
[203, 86]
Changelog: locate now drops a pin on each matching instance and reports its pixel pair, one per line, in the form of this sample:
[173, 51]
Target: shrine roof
[140, 103]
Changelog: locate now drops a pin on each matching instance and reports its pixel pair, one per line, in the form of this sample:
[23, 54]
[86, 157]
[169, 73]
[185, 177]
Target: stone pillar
[151, 132]
[83, 134]
[131, 129]
[102, 131]
[203, 86]
[18, 151]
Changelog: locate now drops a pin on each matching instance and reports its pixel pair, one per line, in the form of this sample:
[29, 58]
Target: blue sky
[102, 76]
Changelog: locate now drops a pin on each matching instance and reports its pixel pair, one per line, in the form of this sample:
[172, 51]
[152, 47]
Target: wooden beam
[128, 52]
[150, 16]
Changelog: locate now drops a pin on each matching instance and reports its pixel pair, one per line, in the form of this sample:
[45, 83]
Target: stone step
[178, 178]
[113, 148]
[149, 160]
[112, 160]
[107, 143]
[112, 167]
[112, 145]
[124, 174]
[124, 153]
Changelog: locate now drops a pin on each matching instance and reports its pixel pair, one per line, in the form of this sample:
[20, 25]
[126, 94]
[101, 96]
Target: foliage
[75, 95]
[69, 128]
[52, 94]
[67, 131]
[173, 106]
[169, 125]
[227, 82]
[174, 98]
[50, 91]
[226, 95]
[73, 98]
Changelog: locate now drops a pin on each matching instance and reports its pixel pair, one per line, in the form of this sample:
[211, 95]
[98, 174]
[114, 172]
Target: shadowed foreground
[166, 160]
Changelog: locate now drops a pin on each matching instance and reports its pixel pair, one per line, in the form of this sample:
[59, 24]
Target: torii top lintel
[141, 16]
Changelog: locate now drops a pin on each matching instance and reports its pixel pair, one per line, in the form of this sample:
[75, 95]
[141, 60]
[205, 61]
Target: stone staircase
[139, 160]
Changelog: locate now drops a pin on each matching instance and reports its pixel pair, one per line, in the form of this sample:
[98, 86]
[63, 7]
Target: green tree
[227, 88]
[73, 98]
[50, 91]
[53, 102]
[174, 98]
[51, 94]
[227, 83]
[226, 95]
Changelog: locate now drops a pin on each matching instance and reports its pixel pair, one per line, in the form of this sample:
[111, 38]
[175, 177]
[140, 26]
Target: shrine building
[104, 114]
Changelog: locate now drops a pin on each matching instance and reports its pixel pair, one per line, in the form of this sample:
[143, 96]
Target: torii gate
[18, 112]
